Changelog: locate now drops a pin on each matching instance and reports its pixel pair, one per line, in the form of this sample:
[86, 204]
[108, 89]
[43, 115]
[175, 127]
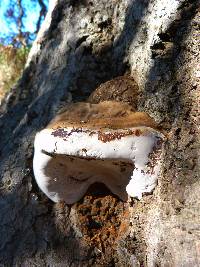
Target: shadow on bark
[165, 54]
[167, 79]
[176, 102]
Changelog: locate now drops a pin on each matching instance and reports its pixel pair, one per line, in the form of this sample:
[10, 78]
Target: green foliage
[12, 62]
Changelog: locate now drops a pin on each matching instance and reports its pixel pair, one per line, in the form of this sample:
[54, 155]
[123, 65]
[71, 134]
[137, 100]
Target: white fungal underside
[86, 144]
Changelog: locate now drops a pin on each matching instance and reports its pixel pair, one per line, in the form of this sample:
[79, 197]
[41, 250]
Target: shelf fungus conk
[105, 143]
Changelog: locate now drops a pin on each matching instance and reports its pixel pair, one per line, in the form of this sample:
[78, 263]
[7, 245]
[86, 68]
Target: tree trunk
[82, 44]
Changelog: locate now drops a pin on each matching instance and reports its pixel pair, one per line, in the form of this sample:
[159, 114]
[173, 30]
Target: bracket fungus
[98, 143]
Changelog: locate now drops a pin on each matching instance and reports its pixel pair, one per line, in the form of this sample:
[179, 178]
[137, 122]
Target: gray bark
[84, 44]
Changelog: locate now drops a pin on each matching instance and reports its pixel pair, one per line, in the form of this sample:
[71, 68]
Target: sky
[7, 27]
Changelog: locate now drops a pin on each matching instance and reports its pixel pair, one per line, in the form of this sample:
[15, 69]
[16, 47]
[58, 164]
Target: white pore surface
[82, 144]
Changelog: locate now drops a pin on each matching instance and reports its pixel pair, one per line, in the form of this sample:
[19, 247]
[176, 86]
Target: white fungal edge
[85, 143]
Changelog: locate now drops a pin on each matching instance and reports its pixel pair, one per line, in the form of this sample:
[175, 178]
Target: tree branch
[43, 12]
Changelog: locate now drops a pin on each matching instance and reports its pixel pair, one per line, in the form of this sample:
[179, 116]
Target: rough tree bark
[82, 44]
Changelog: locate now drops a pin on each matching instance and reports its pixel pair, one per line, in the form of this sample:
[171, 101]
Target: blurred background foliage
[20, 21]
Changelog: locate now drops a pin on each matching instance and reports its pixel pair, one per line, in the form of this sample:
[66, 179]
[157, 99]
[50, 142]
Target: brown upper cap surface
[107, 114]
